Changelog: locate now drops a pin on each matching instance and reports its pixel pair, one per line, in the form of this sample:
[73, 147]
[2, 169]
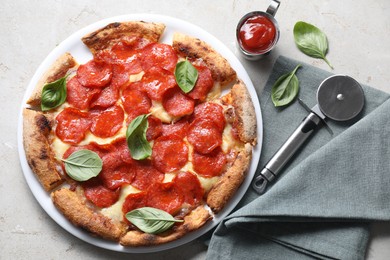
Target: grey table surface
[359, 36]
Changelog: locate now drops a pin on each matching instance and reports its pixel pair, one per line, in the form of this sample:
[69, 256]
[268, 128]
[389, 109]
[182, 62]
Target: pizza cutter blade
[339, 98]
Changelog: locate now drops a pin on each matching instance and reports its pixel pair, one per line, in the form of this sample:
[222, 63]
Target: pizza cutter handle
[284, 154]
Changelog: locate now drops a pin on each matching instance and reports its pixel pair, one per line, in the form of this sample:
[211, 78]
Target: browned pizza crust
[107, 36]
[75, 210]
[227, 185]
[196, 219]
[58, 69]
[36, 129]
[194, 48]
[245, 115]
[241, 114]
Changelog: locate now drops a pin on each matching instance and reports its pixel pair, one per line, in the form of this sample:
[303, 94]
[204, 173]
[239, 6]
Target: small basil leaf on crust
[53, 94]
[151, 220]
[83, 165]
[136, 138]
[186, 75]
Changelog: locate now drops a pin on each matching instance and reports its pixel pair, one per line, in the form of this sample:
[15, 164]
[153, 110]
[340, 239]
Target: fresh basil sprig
[53, 94]
[285, 89]
[136, 138]
[311, 41]
[151, 220]
[186, 75]
[83, 165]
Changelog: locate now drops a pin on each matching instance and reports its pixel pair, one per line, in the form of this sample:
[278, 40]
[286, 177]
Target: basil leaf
[186, 75]
[311, 41]
[285, 89]
[136, 138]
[151, 220]
[83, 165]
[53, 94]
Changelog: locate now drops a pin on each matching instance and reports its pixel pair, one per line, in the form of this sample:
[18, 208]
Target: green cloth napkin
[321, 205]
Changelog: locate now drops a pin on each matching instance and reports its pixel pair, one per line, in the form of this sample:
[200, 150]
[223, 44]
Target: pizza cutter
[339, 98]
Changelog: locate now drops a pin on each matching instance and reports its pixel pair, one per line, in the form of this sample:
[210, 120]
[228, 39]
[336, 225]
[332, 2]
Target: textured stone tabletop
[359, 41]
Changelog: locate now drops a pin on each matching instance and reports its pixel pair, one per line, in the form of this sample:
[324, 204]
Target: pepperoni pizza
[155, 145]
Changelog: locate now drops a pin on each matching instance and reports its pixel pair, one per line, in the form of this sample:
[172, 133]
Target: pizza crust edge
[244, 121]
[61, 67]
[193, 221]
[77, 212]
[36, 129]
[103, 38]
[194, 48]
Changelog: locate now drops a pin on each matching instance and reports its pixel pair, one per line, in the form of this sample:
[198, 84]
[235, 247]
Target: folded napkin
[321, 205]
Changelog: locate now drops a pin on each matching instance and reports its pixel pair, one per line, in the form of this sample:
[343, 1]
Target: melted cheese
[215, 92]
[92, 138]
[207, 183]
[59, 148]
[228, 140]
[115, 210]
[136, 77]
[158, 111]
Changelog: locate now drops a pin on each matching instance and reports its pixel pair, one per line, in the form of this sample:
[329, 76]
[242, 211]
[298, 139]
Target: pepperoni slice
[134, 201]
[94, 74]
[159, 54]
[101, 150]
[116, 173]
[146, 175]
[106, 123]
[107, 97]
[203, 84]
[79, 96]
[204, 136]
[128, 49]
[212, 112]
[121, 148]
[126, 52]
[176, 103]
[99, 195]
[155, 128]
[135, 102]
[209, 165]
[130, 61]
[156, 81]
[120, 75]
[178, 128]
[190, 187]
[169, 153]
[72, 125]
[165, 196]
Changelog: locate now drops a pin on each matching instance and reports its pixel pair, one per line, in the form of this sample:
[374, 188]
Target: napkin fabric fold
[321, 205]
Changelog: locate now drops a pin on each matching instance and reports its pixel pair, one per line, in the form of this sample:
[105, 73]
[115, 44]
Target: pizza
[146, 141]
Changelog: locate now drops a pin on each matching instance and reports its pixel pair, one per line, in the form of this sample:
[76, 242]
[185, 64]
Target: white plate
[74, 45]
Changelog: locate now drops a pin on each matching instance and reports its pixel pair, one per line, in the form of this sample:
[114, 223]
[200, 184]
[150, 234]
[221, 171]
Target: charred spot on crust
[150, 238]
[186, 51]
[43, 154]
[43, 124]
[116, 24]
[32, 163]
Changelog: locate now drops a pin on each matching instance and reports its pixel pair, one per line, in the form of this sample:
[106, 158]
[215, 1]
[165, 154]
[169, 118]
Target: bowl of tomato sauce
[258, 32]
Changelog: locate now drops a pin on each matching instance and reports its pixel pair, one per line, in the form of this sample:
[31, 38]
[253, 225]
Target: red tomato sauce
[257, 34]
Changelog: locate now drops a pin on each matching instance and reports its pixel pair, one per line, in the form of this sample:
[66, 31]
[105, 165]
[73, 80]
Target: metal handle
[288, 149]
[273, 7]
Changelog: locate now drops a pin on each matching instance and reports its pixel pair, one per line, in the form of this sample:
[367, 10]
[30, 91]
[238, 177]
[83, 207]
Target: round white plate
[74, 45]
